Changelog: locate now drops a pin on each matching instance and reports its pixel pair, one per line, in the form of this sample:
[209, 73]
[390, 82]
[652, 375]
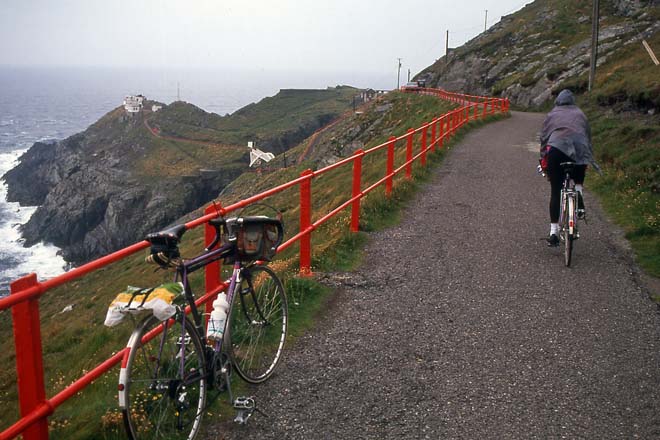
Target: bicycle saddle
[165, 246]
[174, 234]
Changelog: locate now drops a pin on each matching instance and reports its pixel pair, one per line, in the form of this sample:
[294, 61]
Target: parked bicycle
[172, 363]
[568, 212]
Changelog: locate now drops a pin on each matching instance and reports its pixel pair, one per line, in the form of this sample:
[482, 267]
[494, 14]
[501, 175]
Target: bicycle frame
[567, 192]
[196, 263]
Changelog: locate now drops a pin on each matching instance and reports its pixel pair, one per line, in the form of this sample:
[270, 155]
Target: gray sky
[335, 35]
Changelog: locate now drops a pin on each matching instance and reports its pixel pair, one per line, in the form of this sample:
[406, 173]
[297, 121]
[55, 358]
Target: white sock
[578, 187]
[554, 228]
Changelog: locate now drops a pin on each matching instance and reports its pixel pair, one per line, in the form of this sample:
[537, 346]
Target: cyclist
[565, 137]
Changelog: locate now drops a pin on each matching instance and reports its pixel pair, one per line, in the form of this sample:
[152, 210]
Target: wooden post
[409, 153]
[433, 138]
[442, 131]
[212, 270]
[355, 206]
[390, 166]
[423, 146]
[29, 358]
[306, 223]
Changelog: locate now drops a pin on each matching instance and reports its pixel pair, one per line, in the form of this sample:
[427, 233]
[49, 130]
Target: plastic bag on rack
[158, 300]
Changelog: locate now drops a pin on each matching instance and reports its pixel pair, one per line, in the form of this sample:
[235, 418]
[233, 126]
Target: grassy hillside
[76, 341]
[268, 121]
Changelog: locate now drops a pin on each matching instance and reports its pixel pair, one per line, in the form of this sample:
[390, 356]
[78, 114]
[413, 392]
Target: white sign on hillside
[256, 155]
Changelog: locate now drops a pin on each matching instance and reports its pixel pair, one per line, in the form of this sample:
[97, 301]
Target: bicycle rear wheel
[163, 386]
[569, 230]
[257, 324]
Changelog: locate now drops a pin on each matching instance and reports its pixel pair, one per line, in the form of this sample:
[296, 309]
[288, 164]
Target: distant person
[565, 137]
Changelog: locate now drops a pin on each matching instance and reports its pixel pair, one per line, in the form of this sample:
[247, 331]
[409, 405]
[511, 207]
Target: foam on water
[18, 260]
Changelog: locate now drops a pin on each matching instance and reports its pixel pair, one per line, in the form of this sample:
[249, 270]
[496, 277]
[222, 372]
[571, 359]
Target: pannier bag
[257, 237]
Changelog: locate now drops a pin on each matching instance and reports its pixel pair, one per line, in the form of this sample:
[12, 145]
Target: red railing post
[212, 270]
[441, 135]
[485, 109]
[357, 175]
[390, 166]
[475, 108]
[29, 360]
[306, 223]
[423, 146]
[451, 124]
[409, 153]
[433, 138]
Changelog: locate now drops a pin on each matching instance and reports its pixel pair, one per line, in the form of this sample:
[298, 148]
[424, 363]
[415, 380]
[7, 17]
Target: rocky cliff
[126, 176]
[94, 194]
[530, 55]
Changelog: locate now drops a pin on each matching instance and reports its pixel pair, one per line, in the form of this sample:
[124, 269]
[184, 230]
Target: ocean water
[52, 103]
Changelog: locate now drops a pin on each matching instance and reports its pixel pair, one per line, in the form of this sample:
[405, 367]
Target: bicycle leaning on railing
[173, 362]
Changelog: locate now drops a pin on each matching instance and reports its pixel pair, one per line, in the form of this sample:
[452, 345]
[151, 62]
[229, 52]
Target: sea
[47, 104]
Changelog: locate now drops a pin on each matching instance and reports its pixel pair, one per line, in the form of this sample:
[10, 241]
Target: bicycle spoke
[166, 383]
[258, 325]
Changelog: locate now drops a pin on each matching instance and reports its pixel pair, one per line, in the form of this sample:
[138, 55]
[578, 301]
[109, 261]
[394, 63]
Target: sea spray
[15, 259]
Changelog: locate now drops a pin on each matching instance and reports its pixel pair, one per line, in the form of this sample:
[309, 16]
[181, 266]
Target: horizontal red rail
[25, 292]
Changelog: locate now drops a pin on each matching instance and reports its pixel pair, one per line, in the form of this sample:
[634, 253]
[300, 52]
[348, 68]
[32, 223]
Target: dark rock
[92, 200]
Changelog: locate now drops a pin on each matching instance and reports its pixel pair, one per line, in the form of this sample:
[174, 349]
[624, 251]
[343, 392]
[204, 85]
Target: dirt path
[464, 325]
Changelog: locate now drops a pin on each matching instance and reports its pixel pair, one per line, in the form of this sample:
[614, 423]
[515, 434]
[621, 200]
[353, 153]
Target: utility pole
[447, 45]
[486, 21]
[408, 75]
[178, 95]
[594, 44]
[398, 73]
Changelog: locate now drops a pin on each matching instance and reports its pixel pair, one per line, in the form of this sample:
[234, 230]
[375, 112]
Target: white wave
[41, 258]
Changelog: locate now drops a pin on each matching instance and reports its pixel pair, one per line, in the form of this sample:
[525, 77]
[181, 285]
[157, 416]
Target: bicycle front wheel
[569, 230]
[163, 386]
[257, 324]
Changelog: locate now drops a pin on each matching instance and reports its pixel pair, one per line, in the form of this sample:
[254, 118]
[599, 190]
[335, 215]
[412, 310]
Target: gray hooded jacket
[566, 128]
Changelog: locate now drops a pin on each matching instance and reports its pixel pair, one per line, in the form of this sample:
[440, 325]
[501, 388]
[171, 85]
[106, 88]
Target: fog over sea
[49, 103]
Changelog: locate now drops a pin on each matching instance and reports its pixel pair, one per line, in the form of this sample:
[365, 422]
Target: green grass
[271, 119]
[629, 150]
[626, 138]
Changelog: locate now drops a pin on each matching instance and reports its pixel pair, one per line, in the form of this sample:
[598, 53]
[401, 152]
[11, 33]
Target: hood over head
[565, 97]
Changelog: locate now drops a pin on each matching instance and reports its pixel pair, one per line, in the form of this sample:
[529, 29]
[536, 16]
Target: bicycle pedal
[245, 407]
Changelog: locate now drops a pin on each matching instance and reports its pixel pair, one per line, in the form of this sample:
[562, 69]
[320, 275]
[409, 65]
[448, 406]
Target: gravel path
[463, 324]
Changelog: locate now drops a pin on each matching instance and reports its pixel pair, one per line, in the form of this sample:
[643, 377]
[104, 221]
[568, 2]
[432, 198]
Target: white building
[155, 108]
[133, 103]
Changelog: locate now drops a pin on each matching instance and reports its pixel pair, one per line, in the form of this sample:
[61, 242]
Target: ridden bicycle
[171, 365]
[568, 212]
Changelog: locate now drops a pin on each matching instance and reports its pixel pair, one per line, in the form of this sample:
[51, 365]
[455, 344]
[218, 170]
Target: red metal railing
[25, 292]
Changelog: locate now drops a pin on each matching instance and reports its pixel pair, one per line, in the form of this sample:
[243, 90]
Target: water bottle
[216, 325]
